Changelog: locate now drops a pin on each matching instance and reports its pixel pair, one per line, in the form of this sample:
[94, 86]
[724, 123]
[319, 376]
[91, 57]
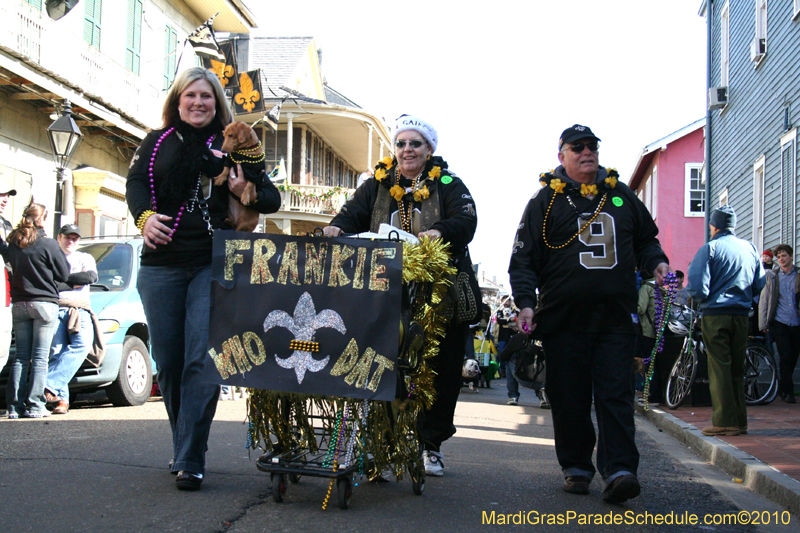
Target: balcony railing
[31, 34]
[313, 198]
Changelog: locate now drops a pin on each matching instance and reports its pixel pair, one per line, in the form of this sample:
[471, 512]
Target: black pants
[436, 425]
[578, 366]
[788, 340]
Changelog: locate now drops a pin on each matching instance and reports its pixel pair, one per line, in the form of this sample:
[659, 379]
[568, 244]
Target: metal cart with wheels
[347, 440]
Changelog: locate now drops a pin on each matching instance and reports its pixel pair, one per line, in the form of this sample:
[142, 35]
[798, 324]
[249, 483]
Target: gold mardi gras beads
[304, 346]
[142, 219]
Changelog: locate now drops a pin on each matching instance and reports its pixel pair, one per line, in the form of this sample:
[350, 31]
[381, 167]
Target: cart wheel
[294, 478]
[344, 490]
[418, 486]
[278, 487]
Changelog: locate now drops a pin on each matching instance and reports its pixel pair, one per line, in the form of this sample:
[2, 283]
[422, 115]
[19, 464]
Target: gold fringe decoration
[281, 422]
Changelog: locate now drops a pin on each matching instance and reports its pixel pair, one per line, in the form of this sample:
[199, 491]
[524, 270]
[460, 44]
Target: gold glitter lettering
[232, 349]
[383, 364]
[263, 250]
[223, 363]
[347, 360]
[289, 265]
[315, 263]
[260, 355]
[358, 277]
[339, 255]
[231, 257]
[360, 373]
[376, 283]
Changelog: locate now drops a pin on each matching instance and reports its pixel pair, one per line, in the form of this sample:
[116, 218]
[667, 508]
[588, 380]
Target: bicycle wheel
[760, 376]
[681, 378]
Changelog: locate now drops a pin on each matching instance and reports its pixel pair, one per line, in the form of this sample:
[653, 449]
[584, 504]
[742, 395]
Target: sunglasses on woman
[413, 144]
[578, 147]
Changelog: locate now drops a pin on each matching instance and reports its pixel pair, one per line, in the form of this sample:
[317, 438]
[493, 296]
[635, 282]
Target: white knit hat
[407, 122]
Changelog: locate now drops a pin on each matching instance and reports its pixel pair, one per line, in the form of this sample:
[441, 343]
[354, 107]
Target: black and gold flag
[225, 70]
[248, 98]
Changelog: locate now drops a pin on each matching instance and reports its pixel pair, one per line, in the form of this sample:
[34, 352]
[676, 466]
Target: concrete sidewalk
[766, 459]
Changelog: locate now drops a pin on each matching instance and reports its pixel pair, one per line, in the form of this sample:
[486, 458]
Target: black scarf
[193, 158]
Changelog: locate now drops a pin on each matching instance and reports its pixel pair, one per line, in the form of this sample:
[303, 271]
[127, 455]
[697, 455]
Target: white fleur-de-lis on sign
[305, 322]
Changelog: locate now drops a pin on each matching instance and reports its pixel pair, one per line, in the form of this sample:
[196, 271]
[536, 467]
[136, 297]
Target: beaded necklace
[663, 303]
[547, 214]
[153, 204]
[405, 215]
[246, 157]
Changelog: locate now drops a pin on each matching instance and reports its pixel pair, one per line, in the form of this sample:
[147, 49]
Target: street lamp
[64, 138]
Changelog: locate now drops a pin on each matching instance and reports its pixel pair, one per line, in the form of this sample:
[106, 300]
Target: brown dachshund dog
[244, 150]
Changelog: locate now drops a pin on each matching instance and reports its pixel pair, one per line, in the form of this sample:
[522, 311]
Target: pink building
[667, 178]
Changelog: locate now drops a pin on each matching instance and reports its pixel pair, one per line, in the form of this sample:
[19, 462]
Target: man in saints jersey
[573, 276]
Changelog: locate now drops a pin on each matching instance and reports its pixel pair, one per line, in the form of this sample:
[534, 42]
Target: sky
[501, 80]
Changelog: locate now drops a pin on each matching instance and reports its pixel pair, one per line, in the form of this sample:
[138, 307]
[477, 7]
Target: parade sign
[308, 315]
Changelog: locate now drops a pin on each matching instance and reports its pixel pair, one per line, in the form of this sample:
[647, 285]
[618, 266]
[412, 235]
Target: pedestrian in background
[39, 265]
[778, 315]
[768, 259]
[723, 277]
[646, 310]
[5, 275]
[578, 243]
[75, 333]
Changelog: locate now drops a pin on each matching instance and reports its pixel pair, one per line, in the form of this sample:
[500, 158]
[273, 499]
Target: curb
[759, 477]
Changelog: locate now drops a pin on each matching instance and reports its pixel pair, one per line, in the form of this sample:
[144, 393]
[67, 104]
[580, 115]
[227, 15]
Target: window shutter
[91, 22]
[133, 37]
[787, 193]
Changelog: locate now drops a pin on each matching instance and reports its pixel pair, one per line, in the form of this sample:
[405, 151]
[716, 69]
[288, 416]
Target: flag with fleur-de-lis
[248, 98]
[225, 69]
[310, 315]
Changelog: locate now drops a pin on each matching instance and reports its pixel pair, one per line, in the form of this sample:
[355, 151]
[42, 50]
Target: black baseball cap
[69, 229]
[576, 132]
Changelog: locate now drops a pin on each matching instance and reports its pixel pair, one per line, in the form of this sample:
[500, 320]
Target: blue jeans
[34, 325]
[68, 352]
[512, 385]
[177, 303]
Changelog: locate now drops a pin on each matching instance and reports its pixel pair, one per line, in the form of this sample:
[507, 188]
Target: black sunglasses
[413, 144]
[578, 147]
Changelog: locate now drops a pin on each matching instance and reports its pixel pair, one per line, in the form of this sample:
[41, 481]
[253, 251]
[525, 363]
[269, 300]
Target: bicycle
[761, 372]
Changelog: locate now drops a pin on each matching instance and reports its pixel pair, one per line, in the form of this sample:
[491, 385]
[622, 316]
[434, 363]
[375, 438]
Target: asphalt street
[102, 468]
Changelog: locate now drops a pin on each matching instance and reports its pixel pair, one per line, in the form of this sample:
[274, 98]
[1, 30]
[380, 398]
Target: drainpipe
[709, 27]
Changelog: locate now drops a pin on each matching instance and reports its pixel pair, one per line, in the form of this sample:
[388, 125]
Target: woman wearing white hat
[416, 192]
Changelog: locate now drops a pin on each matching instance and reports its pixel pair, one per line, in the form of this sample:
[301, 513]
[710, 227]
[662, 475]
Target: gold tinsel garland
[280, 421]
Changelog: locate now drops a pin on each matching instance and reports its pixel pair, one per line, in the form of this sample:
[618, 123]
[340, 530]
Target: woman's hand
[331, 231]
[155, 230]
[236, 183]
[432, 234]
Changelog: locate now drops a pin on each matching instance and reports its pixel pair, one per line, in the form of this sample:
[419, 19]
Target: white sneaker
[434, 466]
[512, 401]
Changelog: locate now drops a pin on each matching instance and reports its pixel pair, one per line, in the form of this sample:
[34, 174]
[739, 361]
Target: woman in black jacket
[171, 195]
[39, 265]
[414, 191]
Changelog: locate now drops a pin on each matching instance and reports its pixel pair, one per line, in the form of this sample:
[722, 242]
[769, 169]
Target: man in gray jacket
[777, 313]
[723, 277]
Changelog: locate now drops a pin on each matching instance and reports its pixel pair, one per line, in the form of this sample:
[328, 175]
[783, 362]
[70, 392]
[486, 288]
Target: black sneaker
[188, 480]
[622, 489]
[577, 485]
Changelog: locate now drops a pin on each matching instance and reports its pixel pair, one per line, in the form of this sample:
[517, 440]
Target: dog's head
[470, 369]
[238, 135]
